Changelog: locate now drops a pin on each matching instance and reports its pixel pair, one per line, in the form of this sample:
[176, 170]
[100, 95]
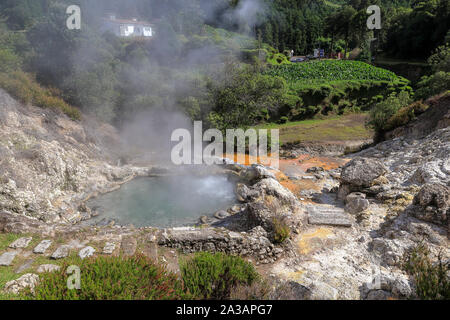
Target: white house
[128, 28]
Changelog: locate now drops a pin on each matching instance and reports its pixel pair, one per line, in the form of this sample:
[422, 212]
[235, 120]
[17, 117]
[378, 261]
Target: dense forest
[220, 61]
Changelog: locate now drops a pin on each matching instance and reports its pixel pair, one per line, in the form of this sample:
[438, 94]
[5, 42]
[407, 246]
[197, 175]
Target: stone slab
[109, 248]
[61, 252]
[21, 243]
[42, 246]
[86, 252]
[48, 268]
[328, 216]
[7, 258]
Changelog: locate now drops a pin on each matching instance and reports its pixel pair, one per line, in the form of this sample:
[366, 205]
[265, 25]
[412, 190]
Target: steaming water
[165, 201]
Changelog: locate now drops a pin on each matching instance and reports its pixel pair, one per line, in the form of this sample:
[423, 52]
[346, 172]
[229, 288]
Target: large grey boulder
[356, 202]
[433, 194]
[255, 173]
[274, 188]
[361, 172]
[244, 193]
[432, 203]
[387, 286]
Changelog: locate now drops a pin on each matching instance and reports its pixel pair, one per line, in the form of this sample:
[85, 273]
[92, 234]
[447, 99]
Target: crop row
[331, 70]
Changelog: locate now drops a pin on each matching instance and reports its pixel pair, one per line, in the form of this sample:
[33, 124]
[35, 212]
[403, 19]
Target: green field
[326, 71]
[335, 86]
[343, 128]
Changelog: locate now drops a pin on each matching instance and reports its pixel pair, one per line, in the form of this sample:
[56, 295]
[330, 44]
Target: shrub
[24, 88]
[18, 85]
[281, 230]
[213, 276]
[258, 290]
[432, 85]
[112, 278]
[10, 61]
[439, 81]
[283, 119]
[406, 114]
[440, 60]
[383, 111]
[431, 278]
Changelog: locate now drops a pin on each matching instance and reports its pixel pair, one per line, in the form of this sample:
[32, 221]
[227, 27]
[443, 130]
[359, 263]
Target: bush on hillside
[213, 276]
[24, 88]
[9, 61]
[406, 114]
[385, 110]
[429, 86]
[439, 81]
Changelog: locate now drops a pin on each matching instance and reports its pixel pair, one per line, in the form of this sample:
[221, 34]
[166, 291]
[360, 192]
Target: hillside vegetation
[214, 61]
[336, 86]
[331, 70]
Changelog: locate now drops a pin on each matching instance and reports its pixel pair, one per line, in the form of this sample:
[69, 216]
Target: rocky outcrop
[412, 160]
[432, 203]
[356, 203]
[389, 286]
[50, 164]
[361, 174]
[28, 280]
[253, 243]
[255, 173]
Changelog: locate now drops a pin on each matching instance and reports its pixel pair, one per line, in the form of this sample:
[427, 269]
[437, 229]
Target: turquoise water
[164, 201]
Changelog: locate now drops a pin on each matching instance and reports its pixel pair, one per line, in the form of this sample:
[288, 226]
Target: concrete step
[320, 215]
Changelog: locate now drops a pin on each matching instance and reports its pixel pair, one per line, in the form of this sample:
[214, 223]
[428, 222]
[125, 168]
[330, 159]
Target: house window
[123, 30]
[148, 32]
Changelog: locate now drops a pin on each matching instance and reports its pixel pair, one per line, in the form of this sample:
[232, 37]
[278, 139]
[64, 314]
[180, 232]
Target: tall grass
[23, 87]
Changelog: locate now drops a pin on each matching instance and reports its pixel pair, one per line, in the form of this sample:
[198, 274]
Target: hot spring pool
[164, 201]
